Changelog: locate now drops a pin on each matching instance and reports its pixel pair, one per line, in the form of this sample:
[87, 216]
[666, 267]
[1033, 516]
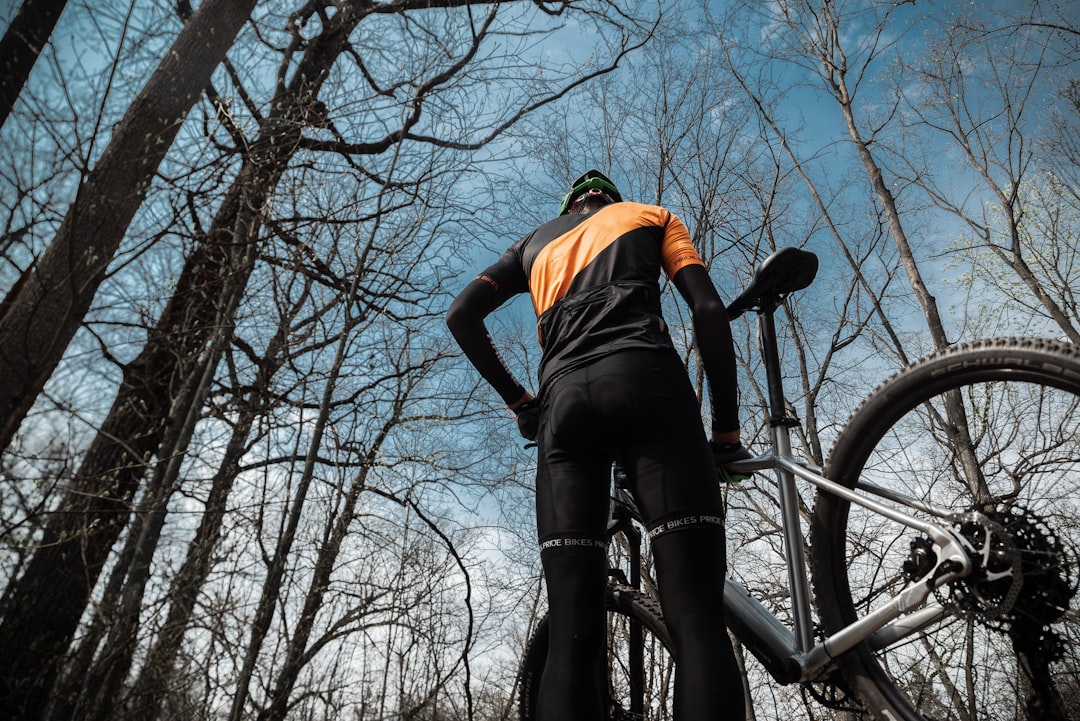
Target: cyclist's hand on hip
[528, 418]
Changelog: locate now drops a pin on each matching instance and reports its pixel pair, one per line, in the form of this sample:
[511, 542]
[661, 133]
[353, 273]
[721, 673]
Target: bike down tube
[773, 643]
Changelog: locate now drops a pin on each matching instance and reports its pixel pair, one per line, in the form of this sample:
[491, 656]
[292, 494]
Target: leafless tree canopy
[245, 474]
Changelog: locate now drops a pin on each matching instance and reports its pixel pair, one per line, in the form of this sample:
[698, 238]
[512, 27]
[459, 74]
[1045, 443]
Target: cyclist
[611, 385]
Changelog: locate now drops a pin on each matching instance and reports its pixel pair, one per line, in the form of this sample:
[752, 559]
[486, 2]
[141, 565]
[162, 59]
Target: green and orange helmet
[591, 179]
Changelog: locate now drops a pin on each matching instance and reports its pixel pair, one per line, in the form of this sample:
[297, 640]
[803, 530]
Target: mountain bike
[941, 551]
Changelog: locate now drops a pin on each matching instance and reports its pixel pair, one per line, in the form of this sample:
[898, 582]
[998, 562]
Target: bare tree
[21, 46]
[164, 387]
[45, 308]
[983, 92]
[844, 50]
[92, 689]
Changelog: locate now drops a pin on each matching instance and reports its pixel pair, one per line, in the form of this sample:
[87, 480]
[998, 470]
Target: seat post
[770, 354]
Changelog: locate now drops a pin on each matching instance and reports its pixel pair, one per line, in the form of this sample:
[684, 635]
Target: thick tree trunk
[21, 46]
[41, 611]
[42, 315]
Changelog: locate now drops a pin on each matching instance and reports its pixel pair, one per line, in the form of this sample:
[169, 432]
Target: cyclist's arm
[712, 327]
[712, 330]
[465, 318]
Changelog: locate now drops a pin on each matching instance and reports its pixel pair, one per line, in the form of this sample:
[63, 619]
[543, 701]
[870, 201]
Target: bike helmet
[591, 179]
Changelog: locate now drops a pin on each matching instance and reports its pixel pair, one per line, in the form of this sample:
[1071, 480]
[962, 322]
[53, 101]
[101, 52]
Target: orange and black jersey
[594, 281]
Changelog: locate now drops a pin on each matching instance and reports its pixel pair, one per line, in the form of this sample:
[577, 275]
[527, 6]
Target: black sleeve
[465, 318]
[712, 329]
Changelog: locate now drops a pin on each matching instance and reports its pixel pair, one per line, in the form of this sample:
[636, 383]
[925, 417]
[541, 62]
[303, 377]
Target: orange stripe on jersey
[566, 256]
[561, 260]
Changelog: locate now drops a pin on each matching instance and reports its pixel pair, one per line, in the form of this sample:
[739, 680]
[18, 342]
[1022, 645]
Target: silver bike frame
[793, 656]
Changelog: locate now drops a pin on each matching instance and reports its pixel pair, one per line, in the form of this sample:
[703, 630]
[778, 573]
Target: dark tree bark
[43, 313]
[40, 611]
[21, 46]
[151, 687]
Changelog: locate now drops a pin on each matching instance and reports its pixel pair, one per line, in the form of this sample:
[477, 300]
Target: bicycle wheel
[990, 431]
[637, 639]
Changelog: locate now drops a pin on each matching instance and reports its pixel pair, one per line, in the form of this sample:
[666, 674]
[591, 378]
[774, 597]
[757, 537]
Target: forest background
[245, 473]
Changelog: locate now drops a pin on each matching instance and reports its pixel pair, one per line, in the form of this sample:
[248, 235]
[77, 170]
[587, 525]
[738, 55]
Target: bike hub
[1022, 581]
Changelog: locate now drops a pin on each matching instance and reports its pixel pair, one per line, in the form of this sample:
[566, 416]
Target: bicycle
[942, 549]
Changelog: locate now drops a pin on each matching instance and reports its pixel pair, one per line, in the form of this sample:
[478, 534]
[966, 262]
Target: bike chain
[830, 688]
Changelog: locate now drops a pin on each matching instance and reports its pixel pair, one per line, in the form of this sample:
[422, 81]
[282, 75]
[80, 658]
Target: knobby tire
[628, 609]
[990, 430]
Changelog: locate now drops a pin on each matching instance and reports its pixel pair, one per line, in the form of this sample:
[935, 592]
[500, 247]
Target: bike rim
[1003, 647]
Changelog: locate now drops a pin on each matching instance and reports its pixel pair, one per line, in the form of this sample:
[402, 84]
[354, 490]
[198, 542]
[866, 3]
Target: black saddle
[784, 272]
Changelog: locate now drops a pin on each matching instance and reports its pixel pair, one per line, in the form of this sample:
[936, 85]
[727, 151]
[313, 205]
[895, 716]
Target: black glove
[528, 419]
[725, 454]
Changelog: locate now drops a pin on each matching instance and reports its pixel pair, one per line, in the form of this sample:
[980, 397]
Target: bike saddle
[785, 271]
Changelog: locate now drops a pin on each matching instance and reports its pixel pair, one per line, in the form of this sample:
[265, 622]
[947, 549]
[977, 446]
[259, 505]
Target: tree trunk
[295, 654]
[47, 308]
[271, 587]
[151, 687]
[104, 682]
[37, 625]
[21, 46]
[956, 421]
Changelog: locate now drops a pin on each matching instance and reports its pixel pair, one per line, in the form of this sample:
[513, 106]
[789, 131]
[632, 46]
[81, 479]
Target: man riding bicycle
[611, 385]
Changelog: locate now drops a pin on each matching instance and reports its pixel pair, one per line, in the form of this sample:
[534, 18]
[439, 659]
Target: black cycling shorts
[638, 407]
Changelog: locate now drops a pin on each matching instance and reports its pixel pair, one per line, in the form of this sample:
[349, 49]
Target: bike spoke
[1001, 449]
